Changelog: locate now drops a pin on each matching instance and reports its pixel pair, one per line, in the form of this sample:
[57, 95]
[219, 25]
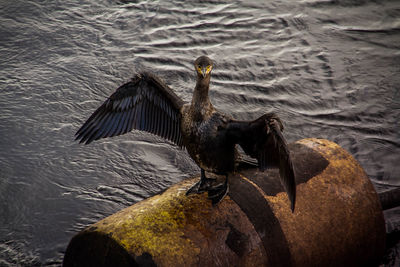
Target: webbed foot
[217, 193]
[201, 186]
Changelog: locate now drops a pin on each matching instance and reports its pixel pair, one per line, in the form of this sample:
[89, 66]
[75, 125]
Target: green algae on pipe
[337, 221]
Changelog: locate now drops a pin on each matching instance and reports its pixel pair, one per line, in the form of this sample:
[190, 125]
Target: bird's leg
[201, 186]
[217, 193]
[205, 183]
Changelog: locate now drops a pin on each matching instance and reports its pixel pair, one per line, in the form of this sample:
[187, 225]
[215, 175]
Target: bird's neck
[200, 94]
[201, 105]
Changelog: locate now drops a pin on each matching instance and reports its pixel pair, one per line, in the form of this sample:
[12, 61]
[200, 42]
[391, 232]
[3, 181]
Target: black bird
[146, 103]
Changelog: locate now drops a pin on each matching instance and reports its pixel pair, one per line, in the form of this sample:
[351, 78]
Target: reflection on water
[328, 68]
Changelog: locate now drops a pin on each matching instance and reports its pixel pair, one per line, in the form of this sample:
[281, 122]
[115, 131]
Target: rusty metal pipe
[338, 221]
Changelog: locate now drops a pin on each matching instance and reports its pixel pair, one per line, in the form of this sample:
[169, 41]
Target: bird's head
[203, 66]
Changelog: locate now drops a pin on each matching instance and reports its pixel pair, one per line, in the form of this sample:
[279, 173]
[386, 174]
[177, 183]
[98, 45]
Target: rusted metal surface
[182, 231]
[337, 221]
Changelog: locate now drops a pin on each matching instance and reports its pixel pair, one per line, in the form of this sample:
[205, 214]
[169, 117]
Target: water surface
[330, 69]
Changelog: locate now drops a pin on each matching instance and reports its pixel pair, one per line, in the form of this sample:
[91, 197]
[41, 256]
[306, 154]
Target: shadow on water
[328, 68]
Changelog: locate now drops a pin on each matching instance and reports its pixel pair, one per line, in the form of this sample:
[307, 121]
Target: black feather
[144, 103]
[124, 128]
[263, 139]
[138, 116]
[121, 123]
[129, 124]
[151, 116]
[158, 121]
[111, 125]
[102, 127]
[143, 123]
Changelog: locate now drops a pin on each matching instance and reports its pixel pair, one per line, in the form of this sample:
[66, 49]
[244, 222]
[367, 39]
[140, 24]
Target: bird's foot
[201, 186]
[217, 193]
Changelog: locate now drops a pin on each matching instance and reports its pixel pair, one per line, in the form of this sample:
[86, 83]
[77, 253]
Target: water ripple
[328, 68]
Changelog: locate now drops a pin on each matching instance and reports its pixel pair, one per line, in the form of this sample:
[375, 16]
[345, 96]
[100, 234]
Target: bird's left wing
[144, 103]
[262, 139]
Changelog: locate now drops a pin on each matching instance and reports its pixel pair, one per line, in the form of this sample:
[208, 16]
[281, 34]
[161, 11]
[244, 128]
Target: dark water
[330, 69]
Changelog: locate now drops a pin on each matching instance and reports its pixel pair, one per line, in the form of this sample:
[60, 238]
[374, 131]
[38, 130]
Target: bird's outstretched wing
[144, 103]
[262, 139]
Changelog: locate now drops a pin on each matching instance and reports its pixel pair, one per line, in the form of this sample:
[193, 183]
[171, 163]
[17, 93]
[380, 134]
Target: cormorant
[146, 103]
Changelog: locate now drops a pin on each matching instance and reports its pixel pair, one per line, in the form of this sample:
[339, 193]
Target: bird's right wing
[144, 103]
[262, 139]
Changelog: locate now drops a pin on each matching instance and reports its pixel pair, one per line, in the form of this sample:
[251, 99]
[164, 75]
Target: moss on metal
[157, 226]
[337, 221]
